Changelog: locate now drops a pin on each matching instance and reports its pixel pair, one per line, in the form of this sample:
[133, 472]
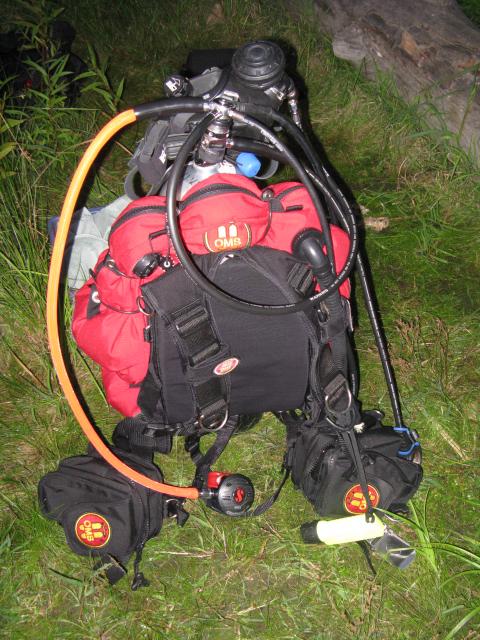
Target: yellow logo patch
[228, 237]
[354, 501]
[92, 530]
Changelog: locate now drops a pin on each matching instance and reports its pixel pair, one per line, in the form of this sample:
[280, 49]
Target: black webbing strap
[300, 278]
[142, 438]
[343, 413]
[114, 571]
[194, 326]
[204, 461]
[293, 424]
[111, 568]
[269, 502]
[200, 344]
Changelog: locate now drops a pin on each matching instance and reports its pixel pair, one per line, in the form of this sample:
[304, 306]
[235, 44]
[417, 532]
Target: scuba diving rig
[215, 301]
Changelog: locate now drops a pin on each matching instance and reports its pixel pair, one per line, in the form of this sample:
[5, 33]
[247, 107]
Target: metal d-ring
[140, 306]
[350, 398]
[213, 429]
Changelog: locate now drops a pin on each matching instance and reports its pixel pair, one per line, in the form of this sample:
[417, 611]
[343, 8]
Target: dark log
[430, 47]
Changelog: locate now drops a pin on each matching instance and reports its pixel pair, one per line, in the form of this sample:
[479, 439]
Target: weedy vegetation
[219, 578]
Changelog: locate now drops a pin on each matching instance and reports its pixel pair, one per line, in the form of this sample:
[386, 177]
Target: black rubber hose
[198, 105]
[300, 138]
[198, 277]
[259, 148]
[370, 306]
[290, 159]
[291, 128]
[170, 105]
[381, 343]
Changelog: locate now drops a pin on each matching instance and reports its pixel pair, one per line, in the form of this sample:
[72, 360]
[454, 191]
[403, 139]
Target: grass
[219, 578]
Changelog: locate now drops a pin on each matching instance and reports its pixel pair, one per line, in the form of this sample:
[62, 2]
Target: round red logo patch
[92, 530]
[226, 366]
[354, 501]
[228, 237]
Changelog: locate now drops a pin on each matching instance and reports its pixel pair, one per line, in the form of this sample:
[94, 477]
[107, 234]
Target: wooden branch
[430, 47]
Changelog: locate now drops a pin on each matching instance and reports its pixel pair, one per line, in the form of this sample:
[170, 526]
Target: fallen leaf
[377, 224]
[216, 15]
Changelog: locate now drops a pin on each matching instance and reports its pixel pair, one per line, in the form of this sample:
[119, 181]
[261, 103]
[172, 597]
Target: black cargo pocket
[95, 528]
[103, 514]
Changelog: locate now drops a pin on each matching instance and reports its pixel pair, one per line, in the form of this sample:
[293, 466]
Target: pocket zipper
[215, 189]
[285, 192]
[133, 213]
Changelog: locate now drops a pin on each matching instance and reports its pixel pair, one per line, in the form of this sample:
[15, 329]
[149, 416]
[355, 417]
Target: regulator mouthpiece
[229, 493]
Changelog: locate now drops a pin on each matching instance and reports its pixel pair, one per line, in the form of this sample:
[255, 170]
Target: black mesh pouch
[103, 514]
[323, 469]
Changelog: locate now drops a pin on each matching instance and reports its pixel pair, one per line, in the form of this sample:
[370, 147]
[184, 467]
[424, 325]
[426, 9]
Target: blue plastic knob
[248, 164]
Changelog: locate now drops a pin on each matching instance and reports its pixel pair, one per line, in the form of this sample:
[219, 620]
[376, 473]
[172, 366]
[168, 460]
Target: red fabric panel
[114, 337]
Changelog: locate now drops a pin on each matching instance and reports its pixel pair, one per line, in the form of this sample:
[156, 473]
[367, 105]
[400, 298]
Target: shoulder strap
[193, 330]
[200, 343]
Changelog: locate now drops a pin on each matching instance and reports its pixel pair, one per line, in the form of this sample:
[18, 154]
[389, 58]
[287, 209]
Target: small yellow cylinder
[350, 529]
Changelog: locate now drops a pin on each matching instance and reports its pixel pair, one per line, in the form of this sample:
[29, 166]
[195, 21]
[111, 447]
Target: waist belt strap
[137, 436]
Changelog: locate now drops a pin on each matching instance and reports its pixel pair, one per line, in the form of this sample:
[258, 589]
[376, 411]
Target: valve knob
[259, 64]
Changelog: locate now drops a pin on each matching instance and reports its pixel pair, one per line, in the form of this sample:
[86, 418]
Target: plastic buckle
[154, 431]
[189, 321]
[112, 569]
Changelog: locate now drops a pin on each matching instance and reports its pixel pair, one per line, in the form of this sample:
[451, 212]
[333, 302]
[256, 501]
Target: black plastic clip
[112, 569]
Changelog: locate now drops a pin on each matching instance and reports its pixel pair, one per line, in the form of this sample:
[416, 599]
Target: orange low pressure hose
[97, 144]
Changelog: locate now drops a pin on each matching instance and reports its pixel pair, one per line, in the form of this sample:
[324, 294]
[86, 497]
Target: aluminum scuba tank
[246, 164]
[195, 173]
